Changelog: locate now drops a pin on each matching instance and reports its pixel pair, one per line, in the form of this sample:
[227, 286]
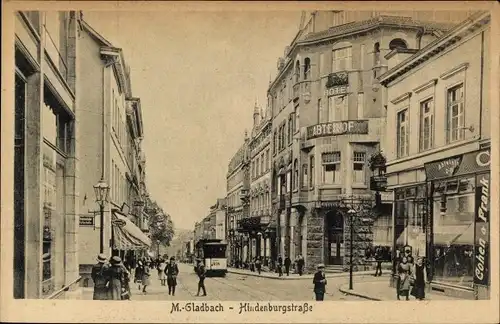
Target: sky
[198, 75]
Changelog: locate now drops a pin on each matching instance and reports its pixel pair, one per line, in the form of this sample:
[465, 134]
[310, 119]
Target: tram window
[216, 251]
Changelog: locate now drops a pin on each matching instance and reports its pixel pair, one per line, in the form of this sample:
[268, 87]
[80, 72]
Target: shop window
[342, 59]
[359, 161]
[403, 133]
[49, 213]
[455, 114]
[331, 168]
[426, 124]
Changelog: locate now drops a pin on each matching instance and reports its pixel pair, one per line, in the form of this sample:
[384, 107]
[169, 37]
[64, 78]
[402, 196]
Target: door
[335, 247]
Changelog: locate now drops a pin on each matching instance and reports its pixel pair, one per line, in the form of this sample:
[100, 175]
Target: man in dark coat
[319, 282]
[300, 264]
[202, 273]
[288, 262]
[171, 270]
[378, 259]
[279, 266]
[100, 277]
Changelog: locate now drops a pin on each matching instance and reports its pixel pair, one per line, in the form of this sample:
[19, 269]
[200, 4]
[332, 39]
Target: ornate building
[328, 115]
[237, 203]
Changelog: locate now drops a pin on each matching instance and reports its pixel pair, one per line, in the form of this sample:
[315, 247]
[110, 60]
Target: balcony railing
[337, 79]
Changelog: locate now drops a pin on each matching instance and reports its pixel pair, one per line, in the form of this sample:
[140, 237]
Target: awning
[455, 235]
[126, 235]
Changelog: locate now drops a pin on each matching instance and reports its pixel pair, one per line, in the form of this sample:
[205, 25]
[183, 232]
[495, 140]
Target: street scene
[325, 155]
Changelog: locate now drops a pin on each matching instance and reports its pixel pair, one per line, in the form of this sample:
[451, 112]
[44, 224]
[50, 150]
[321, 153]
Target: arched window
[376, 53]
[307, 68]
[295, 174]
[397, 43]
[297, 71]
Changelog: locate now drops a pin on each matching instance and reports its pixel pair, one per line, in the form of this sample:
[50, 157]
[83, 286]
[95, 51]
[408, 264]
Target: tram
[213, 255]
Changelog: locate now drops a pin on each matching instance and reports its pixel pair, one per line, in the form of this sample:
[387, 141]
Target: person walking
[378, 259]
[288, 262]
[420, 278]
[202, 273]
[100, 277]
[258, 264]
[279, 266]
[146, 276]
[171, 270]
[319, 282]
[300, 264]
[139, 272]
[404, 278]
[161, 271]
[118, 275]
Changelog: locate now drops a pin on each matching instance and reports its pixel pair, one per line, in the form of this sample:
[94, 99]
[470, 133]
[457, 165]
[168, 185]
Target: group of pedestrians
[411, 277]
[287, 264]
[112, 278]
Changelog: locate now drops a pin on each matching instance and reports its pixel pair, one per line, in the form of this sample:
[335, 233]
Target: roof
[454, 35]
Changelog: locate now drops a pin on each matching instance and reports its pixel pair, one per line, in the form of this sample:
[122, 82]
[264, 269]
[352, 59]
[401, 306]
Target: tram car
[212, 253]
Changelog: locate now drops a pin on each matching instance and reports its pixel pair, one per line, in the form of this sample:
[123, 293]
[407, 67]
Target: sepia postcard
[208, 162]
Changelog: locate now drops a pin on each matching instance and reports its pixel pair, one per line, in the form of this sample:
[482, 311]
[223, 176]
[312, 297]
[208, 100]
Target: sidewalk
[295, 276]
[380, 290]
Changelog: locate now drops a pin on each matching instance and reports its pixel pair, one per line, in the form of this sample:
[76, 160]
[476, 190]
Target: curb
[339, 275]
[347, 292]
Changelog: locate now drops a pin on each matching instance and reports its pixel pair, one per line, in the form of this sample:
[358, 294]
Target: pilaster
[315, 233]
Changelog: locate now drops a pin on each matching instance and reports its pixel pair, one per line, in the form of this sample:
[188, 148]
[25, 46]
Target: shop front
[458, 240]
[127, 240]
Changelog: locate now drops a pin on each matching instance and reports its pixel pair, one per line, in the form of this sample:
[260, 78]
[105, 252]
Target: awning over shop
[126, 235]
[455, 235]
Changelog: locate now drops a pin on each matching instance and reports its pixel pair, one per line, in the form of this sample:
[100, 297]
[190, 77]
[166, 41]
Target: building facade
[113, 130]
[328, 118]
[237, 203]
[439, 161]
[46, 154]
[262, 233]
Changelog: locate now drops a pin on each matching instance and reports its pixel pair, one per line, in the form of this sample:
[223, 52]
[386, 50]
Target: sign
[473, 162]
[336, 91]
[482, 230]
[86, 220]
[338, 128]
[378, 183]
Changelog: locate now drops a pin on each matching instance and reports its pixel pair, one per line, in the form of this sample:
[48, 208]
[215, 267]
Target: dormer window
[397, 43]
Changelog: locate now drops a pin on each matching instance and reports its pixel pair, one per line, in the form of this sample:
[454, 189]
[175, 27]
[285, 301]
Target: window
[304, 175]
[331, 167]
[257, 173]
[397, 43]
[337, 108]
[262, 170]
[295, 174]
[322, 69]
[455, 113]
[376, 54]
[289, 133]
[267, 159]
[362, 57]
[342, 59]
[403, 133]
[358, 167]
[49, 213]
[296, 123]
[361, 99]
[312, 174]
[426, 125]
[297, 71]
[307, 68]
[321, 113]
[275, 141]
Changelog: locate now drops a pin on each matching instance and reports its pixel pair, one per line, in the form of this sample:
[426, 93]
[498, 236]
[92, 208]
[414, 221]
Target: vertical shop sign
[482, 230]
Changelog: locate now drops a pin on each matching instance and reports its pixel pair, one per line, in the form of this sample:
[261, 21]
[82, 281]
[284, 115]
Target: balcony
[337, 79]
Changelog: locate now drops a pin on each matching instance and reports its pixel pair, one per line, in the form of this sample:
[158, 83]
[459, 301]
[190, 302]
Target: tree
[161, 227]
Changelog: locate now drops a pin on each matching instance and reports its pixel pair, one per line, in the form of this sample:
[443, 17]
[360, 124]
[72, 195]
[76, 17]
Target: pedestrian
[404, 278]
[126, 294]
[202, 273]
[420, 278]
[300, 264]
[171, 270]
[161, 271]
[378, 259]
[258, 264]
[139, 272]
[117, 276]
[146, 280]
[319, 282]
[100, 277]
[288, 262]
[279, 266]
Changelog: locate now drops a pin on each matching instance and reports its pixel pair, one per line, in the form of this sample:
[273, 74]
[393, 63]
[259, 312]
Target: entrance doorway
[335, 234]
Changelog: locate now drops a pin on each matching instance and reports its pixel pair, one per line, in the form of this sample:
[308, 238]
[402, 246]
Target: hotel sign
[482, 230]
[336, 91]
[338, 128]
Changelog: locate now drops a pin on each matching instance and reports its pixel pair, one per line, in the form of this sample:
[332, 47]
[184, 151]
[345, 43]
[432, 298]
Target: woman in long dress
[146, 280]
[161, 271]
[420, 278]
[404, 277]
[117, 276]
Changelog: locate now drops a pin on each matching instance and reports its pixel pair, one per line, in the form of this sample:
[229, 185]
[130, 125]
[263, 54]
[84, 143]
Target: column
[282, 234]
[315, 244]
[33, 189]
[293, 224]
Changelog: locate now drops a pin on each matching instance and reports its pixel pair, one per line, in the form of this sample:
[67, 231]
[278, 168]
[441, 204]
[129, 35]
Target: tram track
[247, 292]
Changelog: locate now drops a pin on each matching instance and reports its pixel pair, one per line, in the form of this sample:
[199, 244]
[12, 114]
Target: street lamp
[101, 190]
[351, 212]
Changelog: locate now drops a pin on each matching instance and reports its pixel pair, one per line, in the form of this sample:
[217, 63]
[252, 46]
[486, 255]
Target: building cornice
[455, 35]
[115, 56]
[425, 86]
[401, 98]
[453, 71]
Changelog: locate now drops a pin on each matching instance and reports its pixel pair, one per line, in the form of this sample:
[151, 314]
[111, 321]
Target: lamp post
[101, 190]
[351, 212]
